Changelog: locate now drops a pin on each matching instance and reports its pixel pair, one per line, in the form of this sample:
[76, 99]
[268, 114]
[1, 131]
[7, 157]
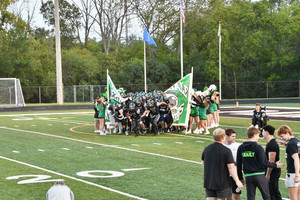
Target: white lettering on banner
[37, 179]
[182, 88]
[177, 112]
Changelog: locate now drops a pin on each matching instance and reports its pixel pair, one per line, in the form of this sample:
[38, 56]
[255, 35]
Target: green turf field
[62, 145]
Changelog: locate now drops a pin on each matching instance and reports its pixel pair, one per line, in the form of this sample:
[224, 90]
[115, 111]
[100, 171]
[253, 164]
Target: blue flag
[148, 38]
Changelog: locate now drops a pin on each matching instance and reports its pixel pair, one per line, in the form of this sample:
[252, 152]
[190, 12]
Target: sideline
[73, 178]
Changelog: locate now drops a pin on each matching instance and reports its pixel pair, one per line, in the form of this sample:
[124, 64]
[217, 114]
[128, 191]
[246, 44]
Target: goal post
[11, 94]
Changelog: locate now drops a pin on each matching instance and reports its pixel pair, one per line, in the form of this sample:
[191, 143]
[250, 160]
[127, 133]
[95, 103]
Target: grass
[172, 161]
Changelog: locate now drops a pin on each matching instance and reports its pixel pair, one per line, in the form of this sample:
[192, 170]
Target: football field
[38, 148]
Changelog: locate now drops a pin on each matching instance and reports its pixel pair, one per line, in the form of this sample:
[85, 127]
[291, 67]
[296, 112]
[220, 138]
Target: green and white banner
[113, 95]
[179, 96]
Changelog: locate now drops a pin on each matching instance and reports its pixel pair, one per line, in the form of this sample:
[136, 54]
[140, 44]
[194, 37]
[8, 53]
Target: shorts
[202, 113]
[162, 118]
[234, 186]
[289, 180]
[194, 112]
[212, 108]
[220, 194]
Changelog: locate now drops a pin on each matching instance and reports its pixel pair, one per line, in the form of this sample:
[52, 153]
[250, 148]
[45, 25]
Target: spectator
[218, 164]
[272, 155]
[251, 159]
[233, 146]
[292, 159]
[59, 191]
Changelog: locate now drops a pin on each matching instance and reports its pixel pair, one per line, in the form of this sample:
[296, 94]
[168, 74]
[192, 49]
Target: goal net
[11, 93]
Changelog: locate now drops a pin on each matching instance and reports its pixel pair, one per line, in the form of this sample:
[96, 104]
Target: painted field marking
[73, 178]
[16, 126]
[157, 143]
[49, 124]
[15, 151]
[23, 119]
[67, 149]
[41, 150]
[200, 141]
[41, 114]
[88, 147]
[113, 146]
[33, 125]
[136, 145]
[66, 124]
[134, 169]
[104, 145]
[178, 142]
[113, 174]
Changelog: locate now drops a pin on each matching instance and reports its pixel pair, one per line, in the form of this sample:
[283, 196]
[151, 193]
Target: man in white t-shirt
[59, 191]
[233, 146]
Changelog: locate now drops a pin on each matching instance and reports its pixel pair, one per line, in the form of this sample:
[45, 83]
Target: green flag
[114, 95]
[179, 96]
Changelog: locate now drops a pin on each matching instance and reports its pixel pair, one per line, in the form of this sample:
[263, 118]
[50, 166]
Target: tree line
[260, 42]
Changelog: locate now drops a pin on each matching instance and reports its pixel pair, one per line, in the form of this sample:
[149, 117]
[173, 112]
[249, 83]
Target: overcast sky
[33, 6]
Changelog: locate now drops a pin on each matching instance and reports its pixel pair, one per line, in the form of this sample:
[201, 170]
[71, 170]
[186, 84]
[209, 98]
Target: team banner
[114, 95]
[179, 96]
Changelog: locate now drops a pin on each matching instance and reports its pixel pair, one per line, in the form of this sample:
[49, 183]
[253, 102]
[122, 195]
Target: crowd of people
[141, 113]
[229, 165]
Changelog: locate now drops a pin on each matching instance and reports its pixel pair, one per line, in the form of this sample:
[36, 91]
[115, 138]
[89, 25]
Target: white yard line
[39, 114]
[73, 178]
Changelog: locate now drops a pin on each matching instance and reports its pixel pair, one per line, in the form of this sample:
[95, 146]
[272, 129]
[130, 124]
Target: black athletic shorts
[234, 187]
[220, 194]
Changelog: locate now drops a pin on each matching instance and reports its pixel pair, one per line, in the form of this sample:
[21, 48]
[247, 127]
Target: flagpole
[107, 85]
[220, 78]
[181, 45]
[145, 74]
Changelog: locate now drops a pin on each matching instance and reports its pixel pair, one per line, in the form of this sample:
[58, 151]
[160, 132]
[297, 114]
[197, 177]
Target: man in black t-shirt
[272, 155]
[292, 179]
[218, 164]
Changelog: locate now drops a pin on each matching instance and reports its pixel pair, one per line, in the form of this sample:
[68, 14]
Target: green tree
[69, 20]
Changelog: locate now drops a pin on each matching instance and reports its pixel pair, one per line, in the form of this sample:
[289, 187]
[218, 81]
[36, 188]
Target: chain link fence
[230, 90]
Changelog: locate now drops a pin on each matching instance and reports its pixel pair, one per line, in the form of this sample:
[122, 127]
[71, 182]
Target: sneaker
[126, 132]
[120, 132]
[115, 130]
[201, 129]
[196, 131]
[189, 131]
[96, 131]
[102, 133]
[144, 132]
[207, 132]
[200, 132]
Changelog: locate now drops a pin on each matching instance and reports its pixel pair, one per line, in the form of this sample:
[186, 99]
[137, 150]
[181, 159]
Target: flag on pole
[114, 95]
[179, 96]
[148, 38]
[182, 8]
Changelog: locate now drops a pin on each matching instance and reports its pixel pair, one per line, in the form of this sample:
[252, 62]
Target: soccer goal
[11, 93]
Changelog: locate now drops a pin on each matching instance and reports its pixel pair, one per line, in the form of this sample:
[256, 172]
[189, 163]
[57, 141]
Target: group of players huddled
[143, 113]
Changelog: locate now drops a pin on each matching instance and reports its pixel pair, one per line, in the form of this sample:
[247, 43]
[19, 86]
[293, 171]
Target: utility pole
[59, 87]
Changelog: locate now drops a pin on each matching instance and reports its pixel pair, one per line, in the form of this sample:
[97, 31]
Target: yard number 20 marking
[36, 179]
